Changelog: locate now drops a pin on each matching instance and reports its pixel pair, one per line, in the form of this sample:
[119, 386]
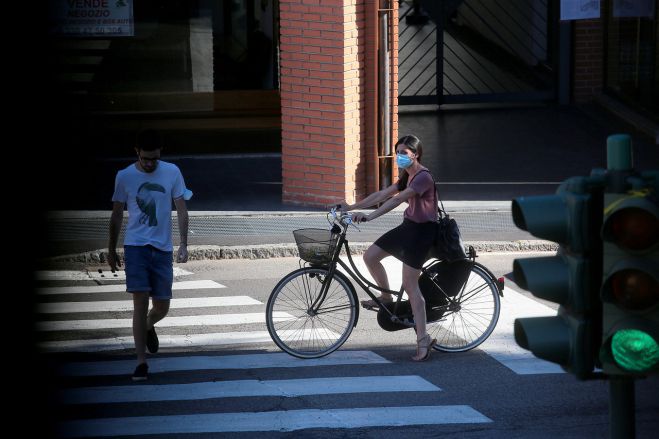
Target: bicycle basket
[316, 246]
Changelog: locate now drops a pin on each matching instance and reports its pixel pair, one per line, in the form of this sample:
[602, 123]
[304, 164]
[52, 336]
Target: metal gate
[477, 51]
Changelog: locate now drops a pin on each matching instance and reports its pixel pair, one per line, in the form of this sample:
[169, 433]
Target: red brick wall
[326, 71]
[588, 60]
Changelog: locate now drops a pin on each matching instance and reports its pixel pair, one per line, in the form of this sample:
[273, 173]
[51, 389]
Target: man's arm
[115, 226]
[182, 216]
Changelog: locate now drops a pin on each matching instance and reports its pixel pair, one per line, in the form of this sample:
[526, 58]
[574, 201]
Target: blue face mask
[403, 161]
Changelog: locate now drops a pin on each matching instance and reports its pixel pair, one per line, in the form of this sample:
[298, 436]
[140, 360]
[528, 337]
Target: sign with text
[580, 9]
[91, 18]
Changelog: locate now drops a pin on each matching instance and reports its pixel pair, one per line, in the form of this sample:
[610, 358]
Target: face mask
[403, 161]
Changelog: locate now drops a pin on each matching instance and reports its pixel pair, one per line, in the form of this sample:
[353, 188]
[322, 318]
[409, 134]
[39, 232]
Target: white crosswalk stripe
[245, 388]
[169, 322]
[92, 289]
[127, 305]
[219, 362]
[78, 275]
[291, 420]
[501, 344]
[173, 341]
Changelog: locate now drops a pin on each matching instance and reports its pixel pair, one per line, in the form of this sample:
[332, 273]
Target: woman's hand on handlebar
[359, 217]
[343, 206]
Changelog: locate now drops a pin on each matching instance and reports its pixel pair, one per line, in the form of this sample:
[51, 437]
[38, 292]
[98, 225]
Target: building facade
[321, 80]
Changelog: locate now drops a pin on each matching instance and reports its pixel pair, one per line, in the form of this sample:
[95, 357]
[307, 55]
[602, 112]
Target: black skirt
[409, 243]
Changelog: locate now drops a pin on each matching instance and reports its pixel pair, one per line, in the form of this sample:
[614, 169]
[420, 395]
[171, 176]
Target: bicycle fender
[496, 281]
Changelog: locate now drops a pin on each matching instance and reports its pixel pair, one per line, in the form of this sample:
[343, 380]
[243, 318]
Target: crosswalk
[70, 320]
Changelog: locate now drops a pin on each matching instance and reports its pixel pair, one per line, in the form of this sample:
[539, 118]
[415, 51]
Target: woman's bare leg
[418, 303]
[373, 259]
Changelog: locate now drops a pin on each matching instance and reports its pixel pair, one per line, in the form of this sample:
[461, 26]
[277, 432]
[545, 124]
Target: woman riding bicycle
[410, 241]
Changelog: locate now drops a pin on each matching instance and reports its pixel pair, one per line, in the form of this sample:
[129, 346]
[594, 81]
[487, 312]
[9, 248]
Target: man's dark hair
[148, 140]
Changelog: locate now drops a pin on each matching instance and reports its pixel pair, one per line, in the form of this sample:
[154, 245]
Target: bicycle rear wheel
[301, 324]
[471, 316]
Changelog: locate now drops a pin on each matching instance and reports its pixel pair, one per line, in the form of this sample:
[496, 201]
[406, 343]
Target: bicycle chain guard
[403, 316]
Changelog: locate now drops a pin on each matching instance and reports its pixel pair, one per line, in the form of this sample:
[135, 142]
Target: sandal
[427, 346]
[372, 305]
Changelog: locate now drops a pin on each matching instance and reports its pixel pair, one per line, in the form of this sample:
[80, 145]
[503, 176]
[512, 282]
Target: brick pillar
[588, 60]
[327, 133]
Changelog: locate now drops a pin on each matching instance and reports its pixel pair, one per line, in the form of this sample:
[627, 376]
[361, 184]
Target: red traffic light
[633, 229]
[634, 289]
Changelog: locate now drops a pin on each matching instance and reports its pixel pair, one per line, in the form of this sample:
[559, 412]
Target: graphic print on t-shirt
[147, 203]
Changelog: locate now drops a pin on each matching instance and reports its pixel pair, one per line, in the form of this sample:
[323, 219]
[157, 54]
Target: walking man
[148, 187]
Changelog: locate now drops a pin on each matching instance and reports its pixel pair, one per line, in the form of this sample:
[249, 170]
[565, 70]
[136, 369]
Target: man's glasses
[148, 159]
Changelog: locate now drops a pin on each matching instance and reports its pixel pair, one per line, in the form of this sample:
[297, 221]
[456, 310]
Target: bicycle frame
[364, 283]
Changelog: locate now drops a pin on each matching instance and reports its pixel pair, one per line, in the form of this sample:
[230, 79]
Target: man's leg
[140, 308]
[161, 278]
[157, 313]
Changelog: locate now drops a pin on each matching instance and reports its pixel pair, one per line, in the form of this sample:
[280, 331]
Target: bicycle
[312, 311]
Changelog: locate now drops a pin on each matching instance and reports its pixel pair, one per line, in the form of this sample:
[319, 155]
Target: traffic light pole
[622, 407]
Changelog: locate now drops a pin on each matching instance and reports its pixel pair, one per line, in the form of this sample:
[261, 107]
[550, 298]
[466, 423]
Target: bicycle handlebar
[339, 217]
[342, 219]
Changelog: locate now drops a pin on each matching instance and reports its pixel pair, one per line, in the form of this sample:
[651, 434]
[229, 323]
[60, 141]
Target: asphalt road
[492, 397]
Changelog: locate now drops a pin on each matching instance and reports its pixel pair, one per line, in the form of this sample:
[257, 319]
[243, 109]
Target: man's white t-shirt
[149, 200]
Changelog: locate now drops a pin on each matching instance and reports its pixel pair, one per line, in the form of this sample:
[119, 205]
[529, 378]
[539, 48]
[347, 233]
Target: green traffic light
[634, 350]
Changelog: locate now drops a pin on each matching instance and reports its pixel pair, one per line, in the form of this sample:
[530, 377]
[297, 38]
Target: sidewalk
[480, 158]
[82, 236]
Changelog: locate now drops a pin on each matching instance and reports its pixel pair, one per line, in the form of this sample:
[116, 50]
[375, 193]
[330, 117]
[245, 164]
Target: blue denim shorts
[149, 269]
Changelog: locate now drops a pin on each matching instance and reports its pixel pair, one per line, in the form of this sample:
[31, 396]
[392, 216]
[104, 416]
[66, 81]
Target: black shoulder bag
[448, 244]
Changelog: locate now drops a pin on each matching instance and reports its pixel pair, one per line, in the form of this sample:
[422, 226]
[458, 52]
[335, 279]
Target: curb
[267, 251]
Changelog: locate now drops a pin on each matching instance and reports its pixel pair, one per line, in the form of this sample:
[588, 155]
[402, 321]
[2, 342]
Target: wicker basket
[316, 246]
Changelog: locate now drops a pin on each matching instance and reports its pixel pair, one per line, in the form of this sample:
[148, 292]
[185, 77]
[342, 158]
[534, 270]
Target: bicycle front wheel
[305, 322]
[472, 315]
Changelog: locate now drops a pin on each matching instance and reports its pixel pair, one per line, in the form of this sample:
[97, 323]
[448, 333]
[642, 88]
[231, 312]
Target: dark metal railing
[475, 51]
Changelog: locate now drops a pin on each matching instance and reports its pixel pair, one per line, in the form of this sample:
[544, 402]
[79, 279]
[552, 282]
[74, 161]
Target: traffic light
[572, 218]
[630, 287]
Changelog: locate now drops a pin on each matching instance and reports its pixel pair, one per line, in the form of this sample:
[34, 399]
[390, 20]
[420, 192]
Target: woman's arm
[373, 199]
[388, 205]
